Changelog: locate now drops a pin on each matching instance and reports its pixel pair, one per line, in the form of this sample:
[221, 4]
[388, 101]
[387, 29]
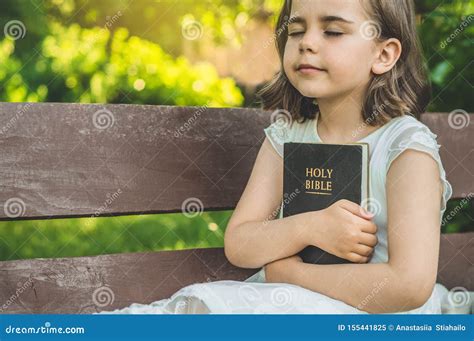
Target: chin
[309, 88]
[312, 92]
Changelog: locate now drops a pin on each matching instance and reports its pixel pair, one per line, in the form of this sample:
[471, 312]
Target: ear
[388, 53]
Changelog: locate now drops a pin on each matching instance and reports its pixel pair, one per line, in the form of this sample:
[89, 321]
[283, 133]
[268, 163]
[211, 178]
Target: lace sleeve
[421, 139]
[278, 134]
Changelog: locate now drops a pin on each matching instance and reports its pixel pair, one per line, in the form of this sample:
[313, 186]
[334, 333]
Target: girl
[351, 71]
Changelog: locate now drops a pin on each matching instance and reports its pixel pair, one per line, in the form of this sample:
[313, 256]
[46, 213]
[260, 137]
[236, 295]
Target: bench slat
[67, 285]
[58, 161]
[150, 159]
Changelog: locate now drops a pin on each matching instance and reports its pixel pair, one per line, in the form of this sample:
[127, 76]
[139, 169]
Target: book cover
[322, 174]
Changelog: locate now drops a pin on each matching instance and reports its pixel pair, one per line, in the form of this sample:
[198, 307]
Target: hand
[343, 229]
[278, 271]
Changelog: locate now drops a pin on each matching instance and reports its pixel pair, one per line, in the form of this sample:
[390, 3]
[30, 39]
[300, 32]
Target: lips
[308, 67]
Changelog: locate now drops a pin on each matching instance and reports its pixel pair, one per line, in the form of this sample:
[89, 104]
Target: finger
[356, 209]
[368, 227]
[363, 250]
[355, 258]
[368, 239]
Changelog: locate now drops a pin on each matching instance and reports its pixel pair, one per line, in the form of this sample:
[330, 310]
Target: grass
[95, 236]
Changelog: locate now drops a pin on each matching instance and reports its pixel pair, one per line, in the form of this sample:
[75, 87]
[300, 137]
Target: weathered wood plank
[67, 285]
[456, 260]
[91, 284]
[456, 137]
[65, 160]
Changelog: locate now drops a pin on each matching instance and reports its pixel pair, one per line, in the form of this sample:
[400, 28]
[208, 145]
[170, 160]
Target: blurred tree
[74, 64]
[447, 36]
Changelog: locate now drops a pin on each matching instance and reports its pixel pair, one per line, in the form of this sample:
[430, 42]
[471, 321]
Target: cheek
[289, 54]
[349, 60]
[288, 59]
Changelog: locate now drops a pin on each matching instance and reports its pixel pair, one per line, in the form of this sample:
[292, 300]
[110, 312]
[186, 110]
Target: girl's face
[327, 53]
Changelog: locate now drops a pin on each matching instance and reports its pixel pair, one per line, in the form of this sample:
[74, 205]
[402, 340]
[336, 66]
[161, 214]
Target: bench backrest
[71, 160]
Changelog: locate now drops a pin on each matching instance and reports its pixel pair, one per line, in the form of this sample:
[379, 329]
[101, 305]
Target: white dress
[254, 295]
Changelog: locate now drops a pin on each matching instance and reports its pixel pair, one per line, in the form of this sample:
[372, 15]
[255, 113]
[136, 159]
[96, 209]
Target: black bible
[318, 174]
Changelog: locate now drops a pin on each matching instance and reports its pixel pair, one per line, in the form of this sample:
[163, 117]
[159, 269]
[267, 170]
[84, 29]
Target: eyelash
[328, 33]
[332, 33]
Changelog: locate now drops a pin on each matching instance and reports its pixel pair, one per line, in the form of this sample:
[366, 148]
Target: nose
[308, 43]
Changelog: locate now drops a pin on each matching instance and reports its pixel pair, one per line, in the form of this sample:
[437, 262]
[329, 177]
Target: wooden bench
[61, 160]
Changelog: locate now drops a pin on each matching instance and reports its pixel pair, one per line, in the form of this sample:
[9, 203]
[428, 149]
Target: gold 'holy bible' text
[318, 179]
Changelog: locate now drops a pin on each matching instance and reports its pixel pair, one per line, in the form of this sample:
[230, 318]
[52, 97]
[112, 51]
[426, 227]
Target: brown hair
[403, 89]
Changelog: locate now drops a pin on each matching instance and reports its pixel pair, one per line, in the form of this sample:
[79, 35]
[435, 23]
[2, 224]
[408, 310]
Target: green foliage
[447, 34]
[89, 65]
[96, 236]
[459, 216]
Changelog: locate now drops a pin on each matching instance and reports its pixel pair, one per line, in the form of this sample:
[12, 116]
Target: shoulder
[406, 131]
[284, 129]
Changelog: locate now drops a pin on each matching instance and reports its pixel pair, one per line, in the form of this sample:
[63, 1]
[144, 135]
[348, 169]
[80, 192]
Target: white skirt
[254, 296]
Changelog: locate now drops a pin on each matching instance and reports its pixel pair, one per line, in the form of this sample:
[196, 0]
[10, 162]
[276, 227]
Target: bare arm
[252, 237]
[406, 282]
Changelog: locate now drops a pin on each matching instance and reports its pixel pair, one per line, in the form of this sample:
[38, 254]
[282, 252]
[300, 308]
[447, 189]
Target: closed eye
[295, 33]
[333, 33]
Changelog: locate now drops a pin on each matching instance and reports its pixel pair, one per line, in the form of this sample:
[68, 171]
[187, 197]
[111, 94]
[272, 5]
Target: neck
[340, 119]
